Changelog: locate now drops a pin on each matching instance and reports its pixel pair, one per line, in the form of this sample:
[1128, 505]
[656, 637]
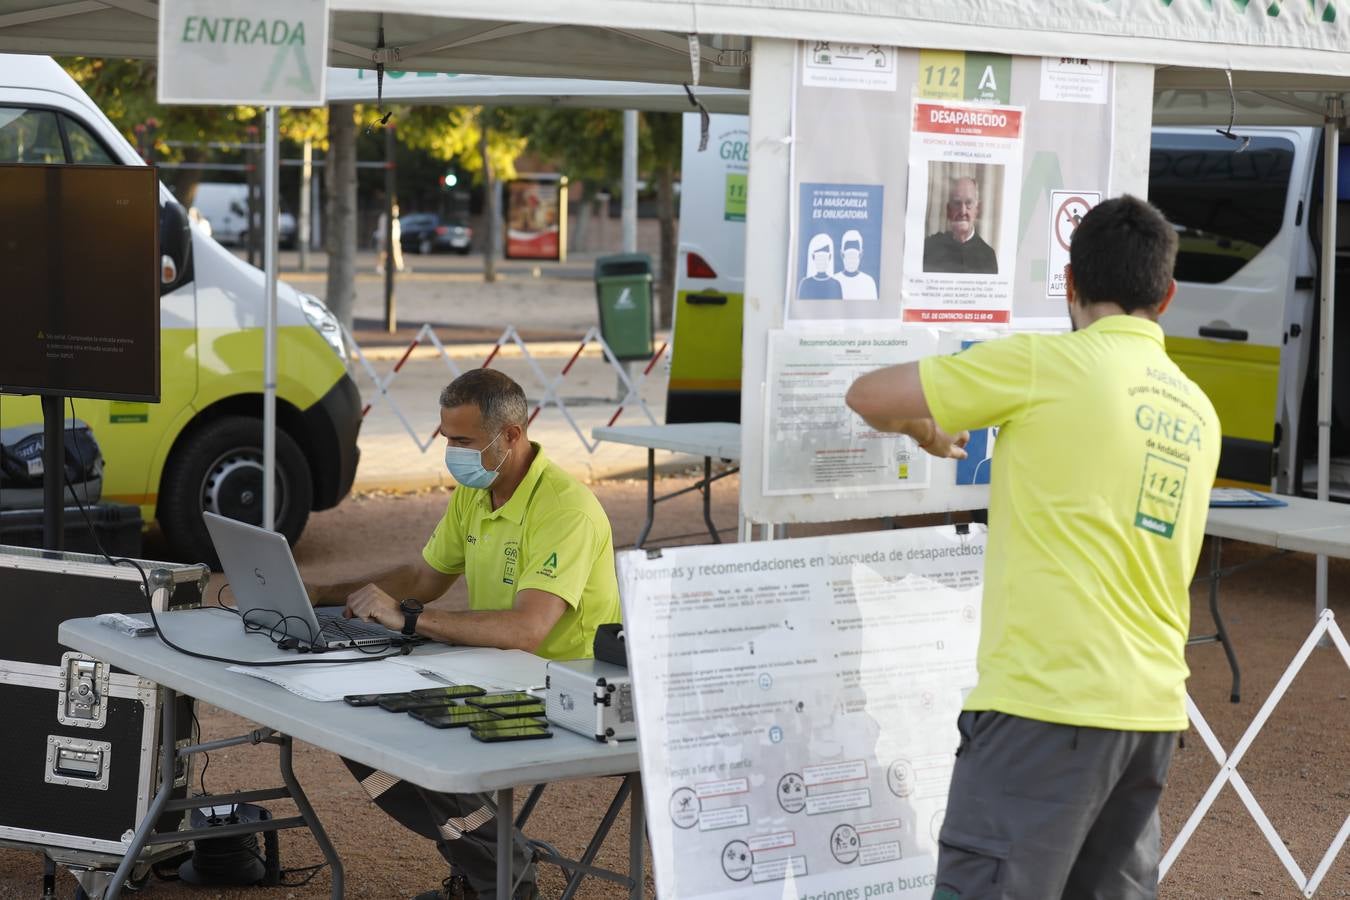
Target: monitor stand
[53, 473]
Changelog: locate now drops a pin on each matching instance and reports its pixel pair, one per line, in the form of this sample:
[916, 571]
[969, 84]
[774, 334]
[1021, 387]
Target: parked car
[430, 233]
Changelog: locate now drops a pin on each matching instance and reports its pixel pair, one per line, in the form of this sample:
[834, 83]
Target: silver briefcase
[592, 698]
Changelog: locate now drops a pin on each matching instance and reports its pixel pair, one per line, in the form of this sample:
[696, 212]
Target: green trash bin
[623, 290]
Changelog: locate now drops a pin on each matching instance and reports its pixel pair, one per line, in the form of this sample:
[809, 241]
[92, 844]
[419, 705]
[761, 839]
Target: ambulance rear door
[1242, 272]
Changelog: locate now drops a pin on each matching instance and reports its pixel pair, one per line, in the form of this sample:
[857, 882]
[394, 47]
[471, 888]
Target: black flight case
[80, 756]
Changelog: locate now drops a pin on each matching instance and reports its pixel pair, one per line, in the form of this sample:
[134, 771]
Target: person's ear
[1167, 297]
[512, 433]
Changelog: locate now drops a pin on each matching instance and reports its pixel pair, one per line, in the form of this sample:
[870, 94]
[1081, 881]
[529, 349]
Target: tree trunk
[339, 190]
[489, 203]
[665, 201]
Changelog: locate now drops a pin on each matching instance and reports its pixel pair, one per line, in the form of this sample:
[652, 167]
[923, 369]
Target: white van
[200, 447]
[705, 362]
[224, 206]
[1244, 324]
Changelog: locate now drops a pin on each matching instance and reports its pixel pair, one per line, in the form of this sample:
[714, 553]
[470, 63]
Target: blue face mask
[467, 465]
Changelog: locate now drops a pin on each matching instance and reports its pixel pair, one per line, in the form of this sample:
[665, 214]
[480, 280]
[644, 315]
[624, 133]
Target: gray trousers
[1040, 811]
[464, 827]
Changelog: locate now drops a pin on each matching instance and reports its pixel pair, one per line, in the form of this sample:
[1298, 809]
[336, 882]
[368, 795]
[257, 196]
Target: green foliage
[125, 90]
[587, 144]
[451, 134]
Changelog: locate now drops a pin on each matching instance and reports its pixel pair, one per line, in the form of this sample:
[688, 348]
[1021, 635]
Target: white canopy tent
[440, 88]
[645, 40]
[1291, 55]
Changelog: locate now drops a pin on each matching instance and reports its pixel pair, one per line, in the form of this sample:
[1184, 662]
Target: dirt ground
[1298, 769]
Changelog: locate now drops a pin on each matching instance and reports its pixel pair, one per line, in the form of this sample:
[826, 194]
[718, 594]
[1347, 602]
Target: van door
[1236, 215]
[705, 361]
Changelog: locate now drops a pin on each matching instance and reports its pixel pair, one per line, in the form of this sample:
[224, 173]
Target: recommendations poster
[816, 444]
[797, 705]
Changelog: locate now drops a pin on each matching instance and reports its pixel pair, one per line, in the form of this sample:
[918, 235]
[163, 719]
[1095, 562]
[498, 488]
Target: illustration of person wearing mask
[820, 284]
[853, 281]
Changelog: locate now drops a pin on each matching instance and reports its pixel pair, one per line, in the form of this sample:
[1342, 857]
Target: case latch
[82, 700]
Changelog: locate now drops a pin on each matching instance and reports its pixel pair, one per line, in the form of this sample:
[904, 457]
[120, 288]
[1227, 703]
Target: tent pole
[630, 177]
[1331, 136]
[270, 204]
[629, 208]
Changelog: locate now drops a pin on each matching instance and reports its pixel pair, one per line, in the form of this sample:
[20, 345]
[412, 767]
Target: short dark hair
[1123, 252]
[499, 399]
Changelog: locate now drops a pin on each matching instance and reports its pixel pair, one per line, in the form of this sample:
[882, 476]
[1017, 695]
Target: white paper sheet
[493, 670]
[327, 683]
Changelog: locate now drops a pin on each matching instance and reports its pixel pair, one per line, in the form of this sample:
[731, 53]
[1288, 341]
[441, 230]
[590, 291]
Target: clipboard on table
[1242, 497]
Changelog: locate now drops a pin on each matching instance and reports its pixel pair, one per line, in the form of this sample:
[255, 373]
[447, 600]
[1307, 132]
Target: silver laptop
[271, 597]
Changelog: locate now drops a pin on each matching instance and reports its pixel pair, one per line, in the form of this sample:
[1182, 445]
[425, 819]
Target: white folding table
[710, 440]
[1301, 526]
[447, 760]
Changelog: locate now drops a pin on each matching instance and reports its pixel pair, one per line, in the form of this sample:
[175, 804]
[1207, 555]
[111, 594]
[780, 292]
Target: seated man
[535, 547]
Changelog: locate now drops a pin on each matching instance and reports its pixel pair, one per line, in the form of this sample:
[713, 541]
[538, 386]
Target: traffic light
[448, 181]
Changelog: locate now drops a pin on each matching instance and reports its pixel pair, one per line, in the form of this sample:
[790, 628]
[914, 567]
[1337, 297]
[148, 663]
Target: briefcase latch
[82, 699]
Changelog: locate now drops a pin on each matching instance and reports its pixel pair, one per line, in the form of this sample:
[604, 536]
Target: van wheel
[218, 468]
[425, 246]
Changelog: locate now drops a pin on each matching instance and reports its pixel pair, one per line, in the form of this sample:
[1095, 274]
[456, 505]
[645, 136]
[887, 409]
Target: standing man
[1097, 506]
[536, 549]
[959, 248]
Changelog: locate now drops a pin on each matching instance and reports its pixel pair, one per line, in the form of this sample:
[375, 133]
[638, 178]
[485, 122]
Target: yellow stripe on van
[707, 343]
[1241, 380]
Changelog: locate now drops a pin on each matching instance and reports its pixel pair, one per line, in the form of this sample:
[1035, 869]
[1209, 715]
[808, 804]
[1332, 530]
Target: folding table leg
[167, 769]
[598, 838]
[637, 828]
[311, 820]
[1215, 573]
[651, 499]
[707, 500]
[505, 842]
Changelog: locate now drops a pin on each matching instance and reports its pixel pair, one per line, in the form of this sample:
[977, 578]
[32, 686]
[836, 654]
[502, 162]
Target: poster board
[797, 705]
[845, 137]
[536, 217]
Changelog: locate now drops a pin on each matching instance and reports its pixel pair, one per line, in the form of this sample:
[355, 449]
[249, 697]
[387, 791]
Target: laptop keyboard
[350, 629]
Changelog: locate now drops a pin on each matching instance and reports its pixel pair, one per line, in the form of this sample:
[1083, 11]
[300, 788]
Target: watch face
[411, 606]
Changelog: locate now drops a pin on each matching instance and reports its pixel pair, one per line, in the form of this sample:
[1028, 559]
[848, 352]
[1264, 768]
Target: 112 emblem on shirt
[512, 555]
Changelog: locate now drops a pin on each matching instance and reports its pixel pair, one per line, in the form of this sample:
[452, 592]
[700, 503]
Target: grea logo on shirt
[511, 557]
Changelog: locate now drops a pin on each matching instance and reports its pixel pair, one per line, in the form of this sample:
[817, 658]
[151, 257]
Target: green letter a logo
[551, 562]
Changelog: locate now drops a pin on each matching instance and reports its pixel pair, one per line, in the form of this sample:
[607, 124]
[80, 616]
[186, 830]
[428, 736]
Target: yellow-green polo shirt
[1098, 496]
[552, 535]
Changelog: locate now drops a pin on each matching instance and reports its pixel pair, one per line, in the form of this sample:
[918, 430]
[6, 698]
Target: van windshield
[1226, 206]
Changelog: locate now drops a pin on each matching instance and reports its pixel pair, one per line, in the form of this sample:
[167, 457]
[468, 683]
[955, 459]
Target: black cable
[206, 757]
[312, 870]
[402, 650]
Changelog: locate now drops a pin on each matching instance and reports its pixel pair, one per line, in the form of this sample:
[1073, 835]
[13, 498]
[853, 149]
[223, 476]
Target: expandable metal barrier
[548, 387]
[1228, 773]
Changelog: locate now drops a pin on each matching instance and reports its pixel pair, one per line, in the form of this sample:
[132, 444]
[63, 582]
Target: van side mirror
[175, 246]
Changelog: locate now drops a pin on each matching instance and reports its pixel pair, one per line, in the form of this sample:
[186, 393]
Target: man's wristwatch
[411, 610]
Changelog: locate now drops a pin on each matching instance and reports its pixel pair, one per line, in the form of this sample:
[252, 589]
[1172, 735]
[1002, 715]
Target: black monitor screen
[79, 281]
